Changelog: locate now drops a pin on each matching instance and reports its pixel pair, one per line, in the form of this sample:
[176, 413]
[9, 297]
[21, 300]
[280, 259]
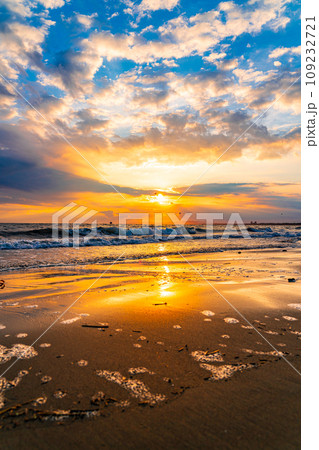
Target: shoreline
[162, 317]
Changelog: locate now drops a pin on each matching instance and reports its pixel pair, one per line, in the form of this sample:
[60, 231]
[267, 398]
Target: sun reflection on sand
[165, 282]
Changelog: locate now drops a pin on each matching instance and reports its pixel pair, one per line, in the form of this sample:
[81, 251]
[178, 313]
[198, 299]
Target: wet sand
[168, 363]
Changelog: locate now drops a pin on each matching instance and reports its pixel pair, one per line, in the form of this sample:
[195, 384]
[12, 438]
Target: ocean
[27, 246]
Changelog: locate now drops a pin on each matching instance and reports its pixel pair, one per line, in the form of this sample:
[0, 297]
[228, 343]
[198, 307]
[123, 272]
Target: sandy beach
[154, 354]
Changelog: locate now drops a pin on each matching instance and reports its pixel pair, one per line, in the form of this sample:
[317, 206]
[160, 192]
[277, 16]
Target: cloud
[86, 20]
[280, 51]
[21, 46]
[155, 5]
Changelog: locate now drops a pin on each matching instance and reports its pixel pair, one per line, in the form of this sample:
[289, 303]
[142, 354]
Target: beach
[184, 350]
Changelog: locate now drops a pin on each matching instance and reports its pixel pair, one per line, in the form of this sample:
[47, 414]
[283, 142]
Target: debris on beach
[68, 321]
[231, 320]
[225, 336]
[291, 280]
[86, 325]
[247, 327]
[271, 332]
[291, 319]
[136, 388]
[2, 327]
[208, 313]
[185, 347]
[45, 345]
[142, 338]
[160, 304]
[2, 284]
[137, 345]
[177, 327]
[97, 398]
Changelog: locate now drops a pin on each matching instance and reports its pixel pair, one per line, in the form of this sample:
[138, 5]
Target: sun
[159, 198]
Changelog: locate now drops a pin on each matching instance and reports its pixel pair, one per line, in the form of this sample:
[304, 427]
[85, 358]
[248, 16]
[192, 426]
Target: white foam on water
[46, 379]
[68, 321]
[247, 327]
[225, 371]
[207, 320]
[291, 319]
[6, 384]
[16, 351]
[298, 333]
[208, 313]
[259, 352]
[2, 327]
[231, 320]
[12, 304]
[45, 345]
[177, 327]
[142, 338]
[40, 401]
[22, 335]
[207, 357]
[122, 404]
[59, 394]
[136, 388]
[137, 345]
[32, 306]
[82, 363]
[271, 332]
[118, 330]
[160, 343]
[137, 370]
[295, 306]
[225, 336]
[222, 345]
[281, 345]
[84, 314]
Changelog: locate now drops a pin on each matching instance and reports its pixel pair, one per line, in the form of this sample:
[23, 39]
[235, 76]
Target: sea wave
[138, 237]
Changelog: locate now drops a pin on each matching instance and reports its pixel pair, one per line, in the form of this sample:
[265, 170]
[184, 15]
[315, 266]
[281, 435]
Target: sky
[110, 103]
